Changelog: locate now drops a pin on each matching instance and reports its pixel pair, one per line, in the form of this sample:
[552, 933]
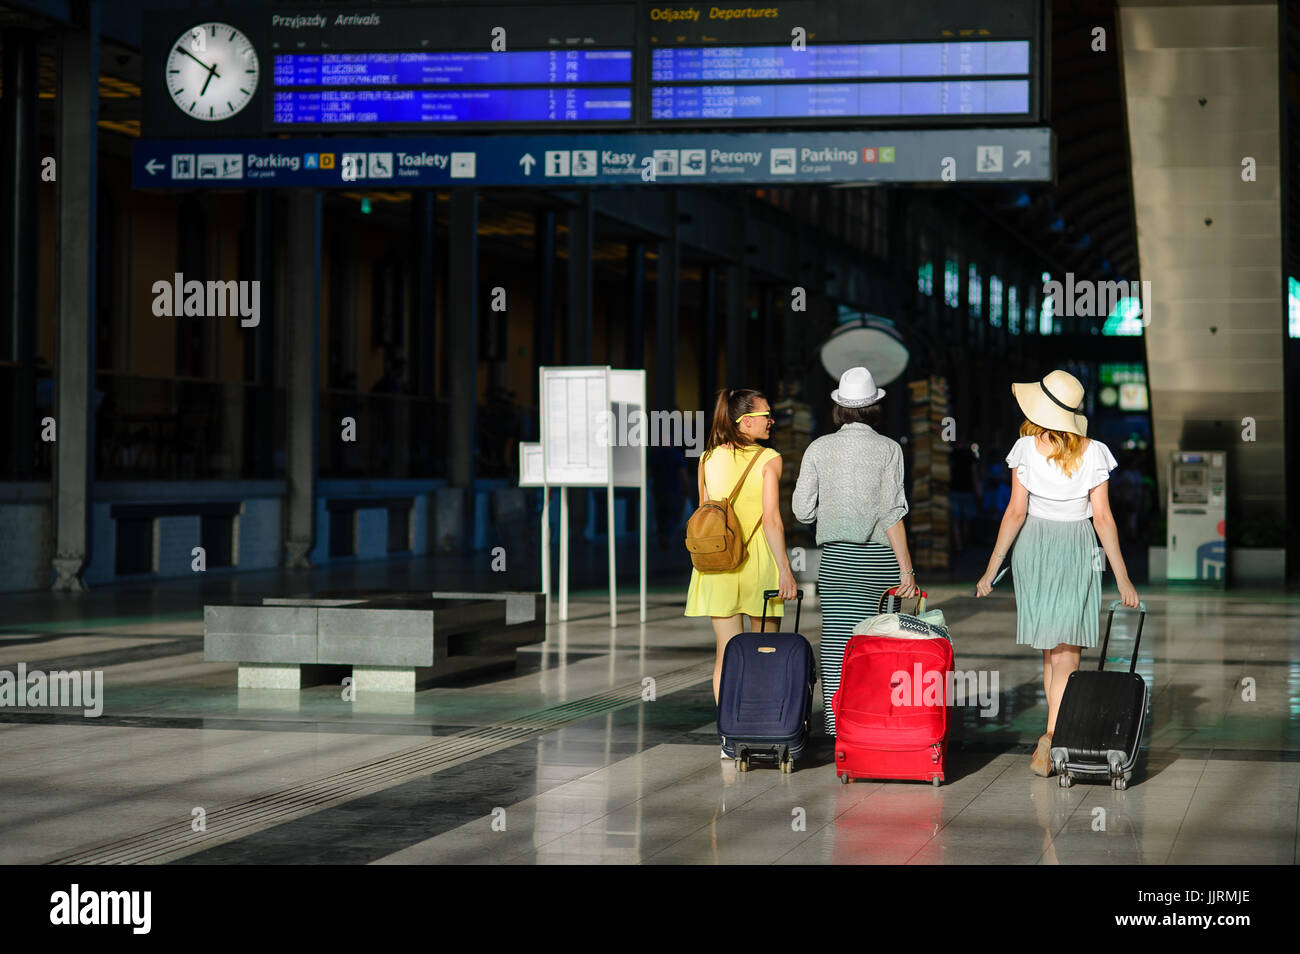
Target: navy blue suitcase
[766, 693]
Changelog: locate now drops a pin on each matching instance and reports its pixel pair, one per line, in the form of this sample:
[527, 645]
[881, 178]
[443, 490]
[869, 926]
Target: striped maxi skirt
[850, 581]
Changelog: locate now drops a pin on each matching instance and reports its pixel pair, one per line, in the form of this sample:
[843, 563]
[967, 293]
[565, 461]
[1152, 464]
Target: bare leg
[1047, 675]
[724, 627]
[1065, 660]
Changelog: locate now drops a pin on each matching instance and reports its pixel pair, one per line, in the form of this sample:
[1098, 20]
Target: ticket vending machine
[1197, 537]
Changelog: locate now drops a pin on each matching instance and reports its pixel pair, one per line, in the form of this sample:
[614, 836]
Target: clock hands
[212, 70]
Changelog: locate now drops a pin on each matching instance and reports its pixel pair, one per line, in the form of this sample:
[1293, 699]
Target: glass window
[1293, 306]
[974, 290]
[1046, 323]
[951, 284]
[925, 279]
[995, 301]
[1013, 310]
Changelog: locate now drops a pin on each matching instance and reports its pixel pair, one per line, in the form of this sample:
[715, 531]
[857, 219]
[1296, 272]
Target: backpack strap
[736, 488]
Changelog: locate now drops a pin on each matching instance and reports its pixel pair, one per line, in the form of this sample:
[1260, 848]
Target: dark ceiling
[1086, 221]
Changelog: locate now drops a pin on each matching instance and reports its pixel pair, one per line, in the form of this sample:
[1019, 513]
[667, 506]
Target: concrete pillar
[302, 387]
[577, 326]
[462, 355]
[74, 242]
[19, 184]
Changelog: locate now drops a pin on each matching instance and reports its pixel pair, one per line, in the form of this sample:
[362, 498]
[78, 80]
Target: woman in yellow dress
[740, 419]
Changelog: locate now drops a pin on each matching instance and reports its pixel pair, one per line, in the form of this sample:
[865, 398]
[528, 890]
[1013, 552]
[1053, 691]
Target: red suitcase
[891, 708]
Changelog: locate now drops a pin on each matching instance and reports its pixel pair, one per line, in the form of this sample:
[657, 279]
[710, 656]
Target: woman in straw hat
[851, 483]
[1058, 480]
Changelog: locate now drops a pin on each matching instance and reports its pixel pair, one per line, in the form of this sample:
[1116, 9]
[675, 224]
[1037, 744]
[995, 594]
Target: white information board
[584, 417]
[531, 470]
[573, 400]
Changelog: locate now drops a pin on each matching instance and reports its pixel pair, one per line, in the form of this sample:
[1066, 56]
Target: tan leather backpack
[713, 534]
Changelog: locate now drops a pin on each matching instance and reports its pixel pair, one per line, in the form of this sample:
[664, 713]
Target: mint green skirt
[1056, 566]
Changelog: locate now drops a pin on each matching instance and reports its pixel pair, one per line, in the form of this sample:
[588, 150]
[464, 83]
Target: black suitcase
[765, 695]
[1099, 728]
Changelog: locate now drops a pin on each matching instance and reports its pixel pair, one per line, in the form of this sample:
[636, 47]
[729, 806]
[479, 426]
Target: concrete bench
[391, 642]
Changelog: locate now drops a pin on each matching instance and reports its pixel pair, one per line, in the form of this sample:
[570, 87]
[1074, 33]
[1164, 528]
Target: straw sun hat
[1056, 403]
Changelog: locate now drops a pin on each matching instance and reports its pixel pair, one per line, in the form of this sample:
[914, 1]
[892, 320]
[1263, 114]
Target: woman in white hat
[1058, 481]
[851, 483]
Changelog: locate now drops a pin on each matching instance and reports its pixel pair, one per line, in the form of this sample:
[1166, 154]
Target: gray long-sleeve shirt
[851, 484]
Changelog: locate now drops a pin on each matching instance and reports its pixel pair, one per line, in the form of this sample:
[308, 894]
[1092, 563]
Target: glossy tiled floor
[455, 775]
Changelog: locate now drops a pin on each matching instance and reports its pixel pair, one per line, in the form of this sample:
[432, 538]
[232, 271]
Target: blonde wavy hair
[1067, 448]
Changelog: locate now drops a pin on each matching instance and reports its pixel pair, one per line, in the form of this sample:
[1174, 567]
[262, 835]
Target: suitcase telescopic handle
[772, 594]
[893, 591]
[1137, 641]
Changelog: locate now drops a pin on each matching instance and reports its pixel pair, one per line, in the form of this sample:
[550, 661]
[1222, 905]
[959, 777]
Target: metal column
[19, 182]
[462, 351]
[577, 329]
[302, 387]
[78, 170]
[669, 300]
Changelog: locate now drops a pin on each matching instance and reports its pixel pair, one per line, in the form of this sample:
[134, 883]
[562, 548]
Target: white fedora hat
[1056, 403]
[857, 389]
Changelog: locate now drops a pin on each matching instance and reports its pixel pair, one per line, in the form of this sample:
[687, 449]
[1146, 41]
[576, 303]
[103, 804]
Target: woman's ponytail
[731, 404]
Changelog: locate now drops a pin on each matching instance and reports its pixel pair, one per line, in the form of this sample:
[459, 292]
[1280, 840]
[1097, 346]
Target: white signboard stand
[580, 447]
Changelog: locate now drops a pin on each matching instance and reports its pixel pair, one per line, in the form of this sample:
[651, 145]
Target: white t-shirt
[1052, 495]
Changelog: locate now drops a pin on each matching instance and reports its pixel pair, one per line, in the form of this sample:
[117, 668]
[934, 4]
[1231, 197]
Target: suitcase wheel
[787, 766]
[936, 781]
[742, 763]
[844, 778]
[1064, 780]
[1120, 784]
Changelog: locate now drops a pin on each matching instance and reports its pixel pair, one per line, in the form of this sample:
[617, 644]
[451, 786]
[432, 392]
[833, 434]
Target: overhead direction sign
[625, 159]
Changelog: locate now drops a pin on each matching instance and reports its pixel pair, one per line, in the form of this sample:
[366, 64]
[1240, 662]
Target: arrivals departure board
[635, 65]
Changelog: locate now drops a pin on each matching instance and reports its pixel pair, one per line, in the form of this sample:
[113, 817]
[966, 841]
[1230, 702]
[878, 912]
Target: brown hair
[1067, 448]
[724, 429]
[871, 415]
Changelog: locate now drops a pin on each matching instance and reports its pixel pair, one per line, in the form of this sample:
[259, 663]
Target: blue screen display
[558, 104]
[453, 69]
[839, 61]
[808, 100]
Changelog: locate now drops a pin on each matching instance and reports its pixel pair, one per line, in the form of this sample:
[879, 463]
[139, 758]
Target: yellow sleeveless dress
[739, 590]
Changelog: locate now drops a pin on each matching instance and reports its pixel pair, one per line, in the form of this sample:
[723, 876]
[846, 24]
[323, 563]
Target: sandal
[1041, 763]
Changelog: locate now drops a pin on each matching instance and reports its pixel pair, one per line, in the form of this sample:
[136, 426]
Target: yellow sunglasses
[754, 414]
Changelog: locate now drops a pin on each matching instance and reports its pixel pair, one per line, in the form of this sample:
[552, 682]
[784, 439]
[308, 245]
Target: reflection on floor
[182, 767]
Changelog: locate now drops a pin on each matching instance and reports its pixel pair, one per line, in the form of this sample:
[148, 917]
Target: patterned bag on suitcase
[891, 709]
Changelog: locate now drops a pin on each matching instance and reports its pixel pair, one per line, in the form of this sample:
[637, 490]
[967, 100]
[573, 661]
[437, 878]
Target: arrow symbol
[527, 161]
[153, 165]
[1022, 158]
